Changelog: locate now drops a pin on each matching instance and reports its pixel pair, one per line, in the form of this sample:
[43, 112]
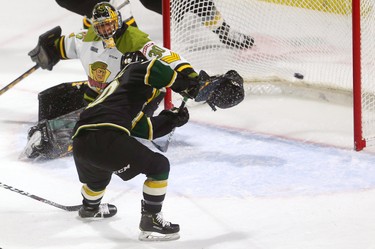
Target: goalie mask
[106, 20]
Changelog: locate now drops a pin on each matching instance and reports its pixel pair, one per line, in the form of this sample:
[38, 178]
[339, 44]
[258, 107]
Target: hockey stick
[63, 207]
[14, 82]
[126, 2]
[164, 147]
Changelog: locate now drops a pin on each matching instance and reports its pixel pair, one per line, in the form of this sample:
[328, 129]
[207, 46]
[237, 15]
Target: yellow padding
[215, 21]
[151, 187]
[86, 22]
[180, 69]
[130, 21]
[342, 7]
[91, 194]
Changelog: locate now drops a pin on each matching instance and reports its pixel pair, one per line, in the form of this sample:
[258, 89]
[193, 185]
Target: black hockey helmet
[106, 20]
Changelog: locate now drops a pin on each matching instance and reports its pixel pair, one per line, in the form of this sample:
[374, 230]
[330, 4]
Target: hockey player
[104, 142]
[205, 9]
[101, 50]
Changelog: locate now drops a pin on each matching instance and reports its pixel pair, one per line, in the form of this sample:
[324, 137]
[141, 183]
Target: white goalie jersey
[102, 64]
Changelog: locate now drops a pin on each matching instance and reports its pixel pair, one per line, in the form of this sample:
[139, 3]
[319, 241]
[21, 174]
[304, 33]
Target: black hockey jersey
[121, 104]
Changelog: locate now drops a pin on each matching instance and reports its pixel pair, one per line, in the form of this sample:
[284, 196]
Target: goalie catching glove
[45, 54]
[223, 91]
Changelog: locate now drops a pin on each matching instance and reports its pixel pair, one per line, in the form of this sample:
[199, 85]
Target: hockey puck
[298, 76]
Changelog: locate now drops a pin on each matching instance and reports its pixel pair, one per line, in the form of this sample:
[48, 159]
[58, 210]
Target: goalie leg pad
[55, 137]
[61, 99]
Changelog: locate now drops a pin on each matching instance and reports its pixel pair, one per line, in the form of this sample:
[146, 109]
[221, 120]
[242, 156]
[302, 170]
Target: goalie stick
[63, 207]
[16, 81]
[164, 147]
[126, 2]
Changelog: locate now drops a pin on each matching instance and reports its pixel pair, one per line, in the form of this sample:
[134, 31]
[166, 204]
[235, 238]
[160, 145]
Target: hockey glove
[192, 91]
[177, 117]
[45, 53]
[223, 91]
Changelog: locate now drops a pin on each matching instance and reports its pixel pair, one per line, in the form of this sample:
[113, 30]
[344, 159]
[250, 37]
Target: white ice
[274, 172]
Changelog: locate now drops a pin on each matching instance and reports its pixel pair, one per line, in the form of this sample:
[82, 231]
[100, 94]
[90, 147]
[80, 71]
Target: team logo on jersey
[98, 75]
[146, 47]
[156, 51]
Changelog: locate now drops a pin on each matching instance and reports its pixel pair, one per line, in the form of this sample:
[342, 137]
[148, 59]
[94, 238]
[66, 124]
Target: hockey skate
[154, 228]
[103, 211]
[233, 38]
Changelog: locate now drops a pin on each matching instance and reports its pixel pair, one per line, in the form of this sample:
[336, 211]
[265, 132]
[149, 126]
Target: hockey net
[299, 44]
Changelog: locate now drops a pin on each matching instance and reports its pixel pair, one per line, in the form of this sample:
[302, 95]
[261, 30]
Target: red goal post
[167, 44]
[359, 140]
[326, 46]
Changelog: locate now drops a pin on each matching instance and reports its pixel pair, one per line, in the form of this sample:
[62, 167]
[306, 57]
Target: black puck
[298, 76]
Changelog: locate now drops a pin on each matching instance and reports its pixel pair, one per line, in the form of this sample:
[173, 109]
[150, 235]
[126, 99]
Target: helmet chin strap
[109, 43]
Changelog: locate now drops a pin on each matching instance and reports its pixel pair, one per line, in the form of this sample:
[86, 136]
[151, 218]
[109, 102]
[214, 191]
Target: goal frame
[359, 140]
[166, 13]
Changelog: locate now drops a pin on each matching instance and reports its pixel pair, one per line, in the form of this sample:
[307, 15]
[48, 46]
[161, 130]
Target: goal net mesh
[297, 44]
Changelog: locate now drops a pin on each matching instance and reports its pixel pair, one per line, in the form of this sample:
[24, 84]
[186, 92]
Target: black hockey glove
[223, 91]
[177, 117]
[195, 84]
[45, 53]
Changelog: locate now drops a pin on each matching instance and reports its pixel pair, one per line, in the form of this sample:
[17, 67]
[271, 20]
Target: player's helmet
[106, 20]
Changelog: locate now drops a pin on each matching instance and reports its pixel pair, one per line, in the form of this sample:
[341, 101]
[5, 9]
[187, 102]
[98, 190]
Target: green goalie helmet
[106, 20]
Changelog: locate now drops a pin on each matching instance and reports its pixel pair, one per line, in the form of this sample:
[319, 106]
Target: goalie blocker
[223, 91]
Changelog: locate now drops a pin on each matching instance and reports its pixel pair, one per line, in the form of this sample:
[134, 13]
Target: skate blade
[154, 236]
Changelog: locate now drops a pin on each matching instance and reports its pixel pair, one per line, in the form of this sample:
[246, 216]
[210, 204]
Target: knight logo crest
[98, 75]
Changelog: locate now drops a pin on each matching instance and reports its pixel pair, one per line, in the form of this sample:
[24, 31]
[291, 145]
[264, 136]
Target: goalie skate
[32, 146]
[233, 38]
[37, 144]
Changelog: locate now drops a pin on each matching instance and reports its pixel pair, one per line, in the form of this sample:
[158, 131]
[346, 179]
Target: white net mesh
[312, 38]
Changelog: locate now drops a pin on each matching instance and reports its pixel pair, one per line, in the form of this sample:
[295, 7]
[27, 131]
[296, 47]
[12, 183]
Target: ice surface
[273, 172]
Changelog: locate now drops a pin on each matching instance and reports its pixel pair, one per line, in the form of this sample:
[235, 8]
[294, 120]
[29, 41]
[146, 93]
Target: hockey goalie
[60, 106]
[51, 137]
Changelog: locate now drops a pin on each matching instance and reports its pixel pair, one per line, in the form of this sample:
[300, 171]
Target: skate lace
[160, 219]
[103, 209]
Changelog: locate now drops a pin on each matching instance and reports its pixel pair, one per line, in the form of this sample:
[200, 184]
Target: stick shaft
[16, 81]
[66, 208]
